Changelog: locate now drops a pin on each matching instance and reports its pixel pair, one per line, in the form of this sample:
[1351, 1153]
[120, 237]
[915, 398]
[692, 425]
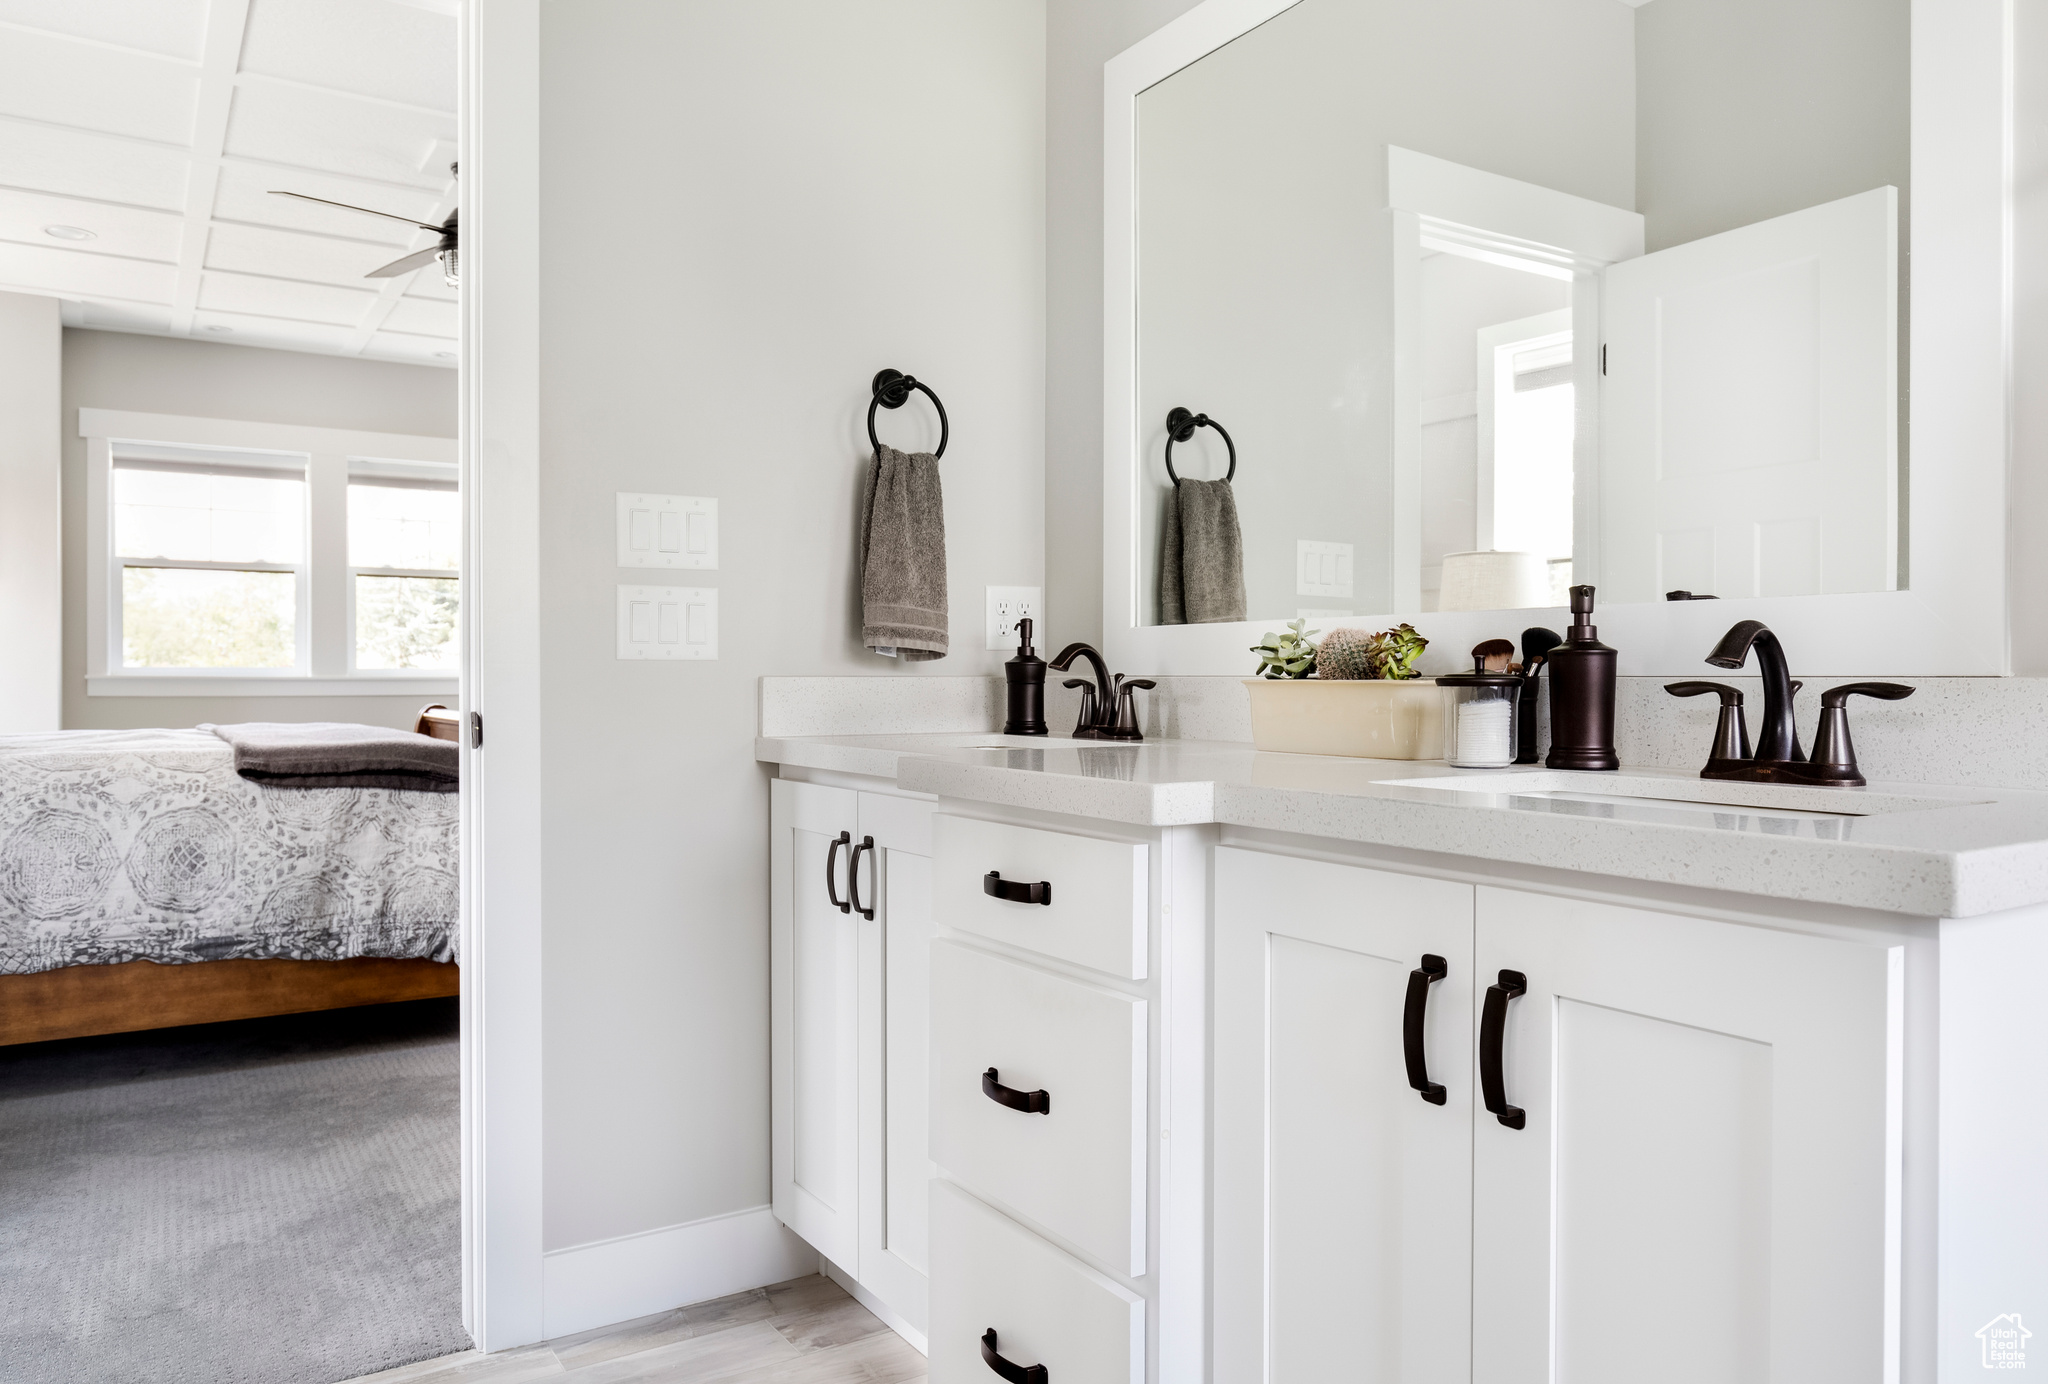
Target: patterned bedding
[119, 845]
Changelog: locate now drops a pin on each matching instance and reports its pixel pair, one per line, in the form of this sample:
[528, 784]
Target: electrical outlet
[1006, 606]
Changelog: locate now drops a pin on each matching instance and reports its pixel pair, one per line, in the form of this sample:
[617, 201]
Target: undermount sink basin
[1771, 808]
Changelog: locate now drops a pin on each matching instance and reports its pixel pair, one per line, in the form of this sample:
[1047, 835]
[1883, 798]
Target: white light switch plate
[668, 531]
[672, 622]
[1006, 606]
[1321, 569]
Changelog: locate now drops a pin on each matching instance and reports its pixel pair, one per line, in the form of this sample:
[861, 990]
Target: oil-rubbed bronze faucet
[1108, 711]
[1778, 758]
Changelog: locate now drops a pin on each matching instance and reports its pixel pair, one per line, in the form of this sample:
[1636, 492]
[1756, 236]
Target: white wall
[31, 591]
[203, 379]
[746, 211]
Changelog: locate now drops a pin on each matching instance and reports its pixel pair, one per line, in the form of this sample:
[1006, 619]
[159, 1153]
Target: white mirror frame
[1952, 620]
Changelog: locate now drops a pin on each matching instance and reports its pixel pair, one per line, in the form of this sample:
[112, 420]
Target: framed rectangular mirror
[1423, 311]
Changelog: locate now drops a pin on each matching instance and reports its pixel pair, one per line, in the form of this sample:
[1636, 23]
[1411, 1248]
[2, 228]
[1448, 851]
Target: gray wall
[203, 379]
[1749, 109]
[822, 190]
[31, 587]
[2027, 523]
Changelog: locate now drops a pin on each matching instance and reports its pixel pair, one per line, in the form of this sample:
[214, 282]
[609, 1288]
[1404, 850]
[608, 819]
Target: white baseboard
[607, 1281]
[875, 1305]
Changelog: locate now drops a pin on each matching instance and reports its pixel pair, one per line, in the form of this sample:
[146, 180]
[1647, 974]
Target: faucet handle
[1123, 724]
[1730, 696]
[1839, 696]
[1834, 755]
[1731, 732]
[1085, 728]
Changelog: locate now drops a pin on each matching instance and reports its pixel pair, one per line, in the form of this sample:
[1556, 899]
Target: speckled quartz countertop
[1904, 848]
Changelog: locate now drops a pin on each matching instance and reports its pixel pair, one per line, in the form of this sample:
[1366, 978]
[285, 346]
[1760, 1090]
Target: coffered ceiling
[158, 127]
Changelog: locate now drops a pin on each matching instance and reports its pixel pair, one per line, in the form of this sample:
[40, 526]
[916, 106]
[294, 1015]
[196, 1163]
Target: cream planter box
[1367, 719]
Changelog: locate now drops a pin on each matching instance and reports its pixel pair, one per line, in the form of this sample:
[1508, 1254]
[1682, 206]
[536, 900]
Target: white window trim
[325, 667]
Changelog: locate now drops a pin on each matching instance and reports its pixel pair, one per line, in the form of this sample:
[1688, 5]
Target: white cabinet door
[1041, 1307]
[814, 974]
[1703, 1187]
[895, 878]
[1342, 1196]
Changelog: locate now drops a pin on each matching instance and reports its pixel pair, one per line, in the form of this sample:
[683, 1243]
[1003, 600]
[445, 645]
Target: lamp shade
[1494, 581]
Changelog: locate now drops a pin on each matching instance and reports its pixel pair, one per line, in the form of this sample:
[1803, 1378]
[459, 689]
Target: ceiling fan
[444, 252]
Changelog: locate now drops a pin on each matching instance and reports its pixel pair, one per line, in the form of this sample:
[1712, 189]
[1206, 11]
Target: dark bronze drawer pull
[1493, 1028]
[1016, 1374]
[995, 886]
[831, 860]
[867, 843]
[1432, 970]
[1030, 1102]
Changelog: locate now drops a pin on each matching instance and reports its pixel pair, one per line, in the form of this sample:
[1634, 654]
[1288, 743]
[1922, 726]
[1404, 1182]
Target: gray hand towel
[903, 557]
[336, 754]
[1201, 556]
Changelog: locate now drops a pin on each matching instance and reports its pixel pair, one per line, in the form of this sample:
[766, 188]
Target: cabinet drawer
[1078, 1169]
[1095, 915]
[1045, 1307]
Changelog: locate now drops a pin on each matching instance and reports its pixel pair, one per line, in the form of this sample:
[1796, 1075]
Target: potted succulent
[1356, 693]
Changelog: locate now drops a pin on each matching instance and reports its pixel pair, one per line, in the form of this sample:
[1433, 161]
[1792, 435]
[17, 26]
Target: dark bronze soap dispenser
[1582, 694]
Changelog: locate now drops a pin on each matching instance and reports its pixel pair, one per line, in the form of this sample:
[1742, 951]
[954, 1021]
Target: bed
[143, 884]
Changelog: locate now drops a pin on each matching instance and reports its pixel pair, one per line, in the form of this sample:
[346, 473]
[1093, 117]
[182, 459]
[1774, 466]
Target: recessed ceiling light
[445, 355]
[70, 233]
[215, 327]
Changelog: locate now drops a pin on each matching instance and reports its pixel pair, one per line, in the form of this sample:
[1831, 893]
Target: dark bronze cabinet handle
[995, 886]
[1030, 1102]
[867, 843]
[831, 859]
[1493, 1028]
[1432, 970]
[1015, 1373]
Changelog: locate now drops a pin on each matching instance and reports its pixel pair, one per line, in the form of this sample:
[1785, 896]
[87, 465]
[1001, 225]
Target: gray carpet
[266, 1202]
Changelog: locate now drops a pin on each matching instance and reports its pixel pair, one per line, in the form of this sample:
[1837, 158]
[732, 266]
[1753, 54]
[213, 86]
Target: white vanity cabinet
[850, 940]
[1692, 1166]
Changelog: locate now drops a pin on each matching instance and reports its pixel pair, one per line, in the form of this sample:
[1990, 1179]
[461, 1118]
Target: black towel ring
[891, 389]
[1181, 425]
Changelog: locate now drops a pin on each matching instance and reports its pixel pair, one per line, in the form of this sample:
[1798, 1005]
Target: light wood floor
[806, 1331]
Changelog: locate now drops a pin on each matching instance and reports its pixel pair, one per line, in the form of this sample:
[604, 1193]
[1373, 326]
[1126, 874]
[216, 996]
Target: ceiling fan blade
[405, 266]
[392, 216]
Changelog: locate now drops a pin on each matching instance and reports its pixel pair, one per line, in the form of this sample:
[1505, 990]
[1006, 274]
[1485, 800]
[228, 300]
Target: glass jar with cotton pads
[1479, 718]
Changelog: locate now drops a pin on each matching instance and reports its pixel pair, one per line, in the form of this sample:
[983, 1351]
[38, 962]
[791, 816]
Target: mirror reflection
[1449, 304]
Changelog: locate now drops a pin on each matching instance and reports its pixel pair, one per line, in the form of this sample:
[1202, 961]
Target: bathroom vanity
[1249, 1066]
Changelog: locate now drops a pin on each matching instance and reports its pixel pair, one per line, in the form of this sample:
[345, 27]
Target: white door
[1342, 1195]
[1749, 411]
[814, 981]
[894, 879]
[1701, 1185]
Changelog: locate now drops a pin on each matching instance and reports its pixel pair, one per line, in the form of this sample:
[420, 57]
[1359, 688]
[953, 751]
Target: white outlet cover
[668, 622]
[676, 531]
[1321, 569]
[1009, 604]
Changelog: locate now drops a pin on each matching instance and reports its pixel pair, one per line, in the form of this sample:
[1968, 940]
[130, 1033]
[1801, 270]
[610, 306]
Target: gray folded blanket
[1201, 556]
[335, 754]
[903, 558]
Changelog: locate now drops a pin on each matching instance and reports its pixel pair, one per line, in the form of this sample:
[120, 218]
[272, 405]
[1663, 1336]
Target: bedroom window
[212, 550]
[232, 558]
[404, 545]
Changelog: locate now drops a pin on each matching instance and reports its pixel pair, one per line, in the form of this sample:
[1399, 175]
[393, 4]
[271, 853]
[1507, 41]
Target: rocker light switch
[668, 531]
[668, 622]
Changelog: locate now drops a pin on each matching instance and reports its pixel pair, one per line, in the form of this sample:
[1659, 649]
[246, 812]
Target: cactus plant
[1345, 654]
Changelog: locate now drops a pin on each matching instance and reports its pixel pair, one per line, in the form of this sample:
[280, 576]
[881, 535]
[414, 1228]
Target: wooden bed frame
[79, 1001]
